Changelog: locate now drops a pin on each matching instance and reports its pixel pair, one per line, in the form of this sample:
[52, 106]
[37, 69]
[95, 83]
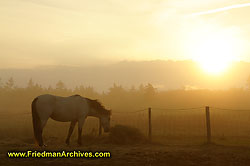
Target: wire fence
[174, 125]
[165, 123]
[226, 125]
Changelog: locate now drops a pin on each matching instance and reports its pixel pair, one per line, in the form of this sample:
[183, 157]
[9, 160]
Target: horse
[74, 109]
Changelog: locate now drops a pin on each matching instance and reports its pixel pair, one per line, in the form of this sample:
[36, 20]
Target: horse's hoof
[42, 146]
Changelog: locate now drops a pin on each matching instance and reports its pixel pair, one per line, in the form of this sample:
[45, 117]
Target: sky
[80, 32]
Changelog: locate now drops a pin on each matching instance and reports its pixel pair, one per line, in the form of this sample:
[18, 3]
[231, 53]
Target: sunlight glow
[214, 51]
[214, 55]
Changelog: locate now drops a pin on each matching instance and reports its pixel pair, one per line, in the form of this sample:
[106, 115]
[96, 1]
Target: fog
[163, 75]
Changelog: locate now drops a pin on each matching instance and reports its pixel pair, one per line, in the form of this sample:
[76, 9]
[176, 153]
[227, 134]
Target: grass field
[179, 138]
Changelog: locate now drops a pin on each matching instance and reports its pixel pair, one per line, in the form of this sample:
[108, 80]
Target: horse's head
[105, 121]
[97, 110]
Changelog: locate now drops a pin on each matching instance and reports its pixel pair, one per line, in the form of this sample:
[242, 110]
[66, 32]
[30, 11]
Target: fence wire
[177, 109]
[229, 109]
[125, 112]
[175, 124]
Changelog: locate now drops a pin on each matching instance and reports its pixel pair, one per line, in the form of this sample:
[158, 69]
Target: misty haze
[114, 82]
[163, 75]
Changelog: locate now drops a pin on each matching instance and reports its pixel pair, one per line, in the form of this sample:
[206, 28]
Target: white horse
[66, 109]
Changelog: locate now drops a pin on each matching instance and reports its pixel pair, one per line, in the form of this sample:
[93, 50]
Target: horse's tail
[36, 122]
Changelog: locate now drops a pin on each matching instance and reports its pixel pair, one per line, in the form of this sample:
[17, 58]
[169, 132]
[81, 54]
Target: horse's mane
[75, 95]
[98, 106]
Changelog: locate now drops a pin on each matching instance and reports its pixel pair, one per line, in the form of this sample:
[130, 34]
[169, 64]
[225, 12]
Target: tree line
[119, 98]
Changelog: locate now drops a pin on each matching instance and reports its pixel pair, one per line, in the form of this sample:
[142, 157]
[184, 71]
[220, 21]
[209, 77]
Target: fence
[211, 124]
[175, 125]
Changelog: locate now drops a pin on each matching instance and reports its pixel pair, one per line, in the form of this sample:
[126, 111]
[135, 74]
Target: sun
[213, 48]
[214, 53]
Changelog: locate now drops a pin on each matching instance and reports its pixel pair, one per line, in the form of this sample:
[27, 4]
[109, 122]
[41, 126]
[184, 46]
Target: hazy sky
[81, 32]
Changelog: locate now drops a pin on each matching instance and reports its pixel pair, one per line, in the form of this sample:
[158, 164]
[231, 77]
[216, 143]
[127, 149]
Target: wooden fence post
[100, 127]
[208, 125]
[149, 124]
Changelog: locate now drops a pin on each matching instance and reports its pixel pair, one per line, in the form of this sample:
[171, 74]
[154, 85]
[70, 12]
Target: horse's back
[59, 100]
[46, 98]
[61, 108]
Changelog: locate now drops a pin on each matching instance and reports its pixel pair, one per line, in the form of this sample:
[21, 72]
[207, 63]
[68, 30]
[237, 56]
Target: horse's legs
[43, 123]
[40, 138]
[71, 128]
[80, 124]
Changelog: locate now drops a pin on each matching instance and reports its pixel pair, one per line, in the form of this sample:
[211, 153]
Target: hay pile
[120, 134]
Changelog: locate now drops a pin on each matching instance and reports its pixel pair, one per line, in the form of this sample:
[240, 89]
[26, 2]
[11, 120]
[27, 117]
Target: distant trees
[120, 98]
[150, 91]
[116, 90]
[30, 84]
[34, 88]
[9, 84]
[60, 85]
[1, 84]
[248, 82]
[116, 96]
[86, 91]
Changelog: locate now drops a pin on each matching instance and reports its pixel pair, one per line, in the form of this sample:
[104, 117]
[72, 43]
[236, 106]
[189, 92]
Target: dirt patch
[139, 154]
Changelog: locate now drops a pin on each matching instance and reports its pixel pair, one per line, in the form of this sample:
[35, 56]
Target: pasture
[178, 138]
[135, 154]
[229, 127]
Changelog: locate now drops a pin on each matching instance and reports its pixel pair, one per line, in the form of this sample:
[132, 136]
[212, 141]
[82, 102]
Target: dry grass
[121, 134]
